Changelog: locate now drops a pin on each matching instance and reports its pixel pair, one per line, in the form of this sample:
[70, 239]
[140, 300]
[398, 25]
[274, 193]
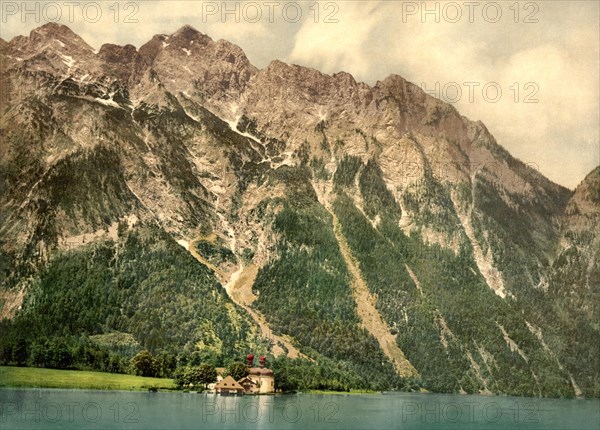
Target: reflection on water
[65, 409]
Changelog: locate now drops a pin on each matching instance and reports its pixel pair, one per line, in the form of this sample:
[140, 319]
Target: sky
[529, 69]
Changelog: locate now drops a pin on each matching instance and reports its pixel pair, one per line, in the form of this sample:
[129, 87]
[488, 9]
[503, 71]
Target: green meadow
[53, 378]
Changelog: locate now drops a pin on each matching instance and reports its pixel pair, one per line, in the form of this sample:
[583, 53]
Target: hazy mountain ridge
[186, 134]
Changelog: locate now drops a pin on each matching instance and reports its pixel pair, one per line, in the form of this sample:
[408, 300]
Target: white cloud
[332, 47]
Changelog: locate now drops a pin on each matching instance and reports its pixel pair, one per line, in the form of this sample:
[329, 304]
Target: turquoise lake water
[83, 409]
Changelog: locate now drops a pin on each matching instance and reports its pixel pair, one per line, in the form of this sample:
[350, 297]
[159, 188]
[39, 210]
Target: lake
[84, 409]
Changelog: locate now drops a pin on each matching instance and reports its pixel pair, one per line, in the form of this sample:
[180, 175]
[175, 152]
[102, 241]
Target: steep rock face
[573, 283]
[580, 244]
[119, 61]
[251, 167]
[584, 203]
[191, 63]
[52, 48]
[412, 135]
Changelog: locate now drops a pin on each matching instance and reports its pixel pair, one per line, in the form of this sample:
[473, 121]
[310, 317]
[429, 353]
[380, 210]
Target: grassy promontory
[32, 377]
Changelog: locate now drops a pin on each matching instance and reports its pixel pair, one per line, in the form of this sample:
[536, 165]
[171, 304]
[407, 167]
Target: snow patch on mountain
[107, 102]
[233, 126]
[67, 59]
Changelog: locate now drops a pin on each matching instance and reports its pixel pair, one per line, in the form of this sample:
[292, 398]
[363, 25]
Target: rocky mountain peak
[189, 33]
[294, 71]
[117, 54]
[276, 67]
[400, 88]
[394, 79]
[586, 197]
[345, 78]
[231, 53]
[51, 32]
[153, 47]
[15, 43]
[51, 48]
[52, 29]
[293, 77]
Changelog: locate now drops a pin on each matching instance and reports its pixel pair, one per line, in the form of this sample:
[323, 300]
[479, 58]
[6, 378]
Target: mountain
[181, 200]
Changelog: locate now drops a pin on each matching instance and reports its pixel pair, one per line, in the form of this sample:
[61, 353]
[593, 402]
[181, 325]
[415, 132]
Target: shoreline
[290, 394]
[13, 377]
